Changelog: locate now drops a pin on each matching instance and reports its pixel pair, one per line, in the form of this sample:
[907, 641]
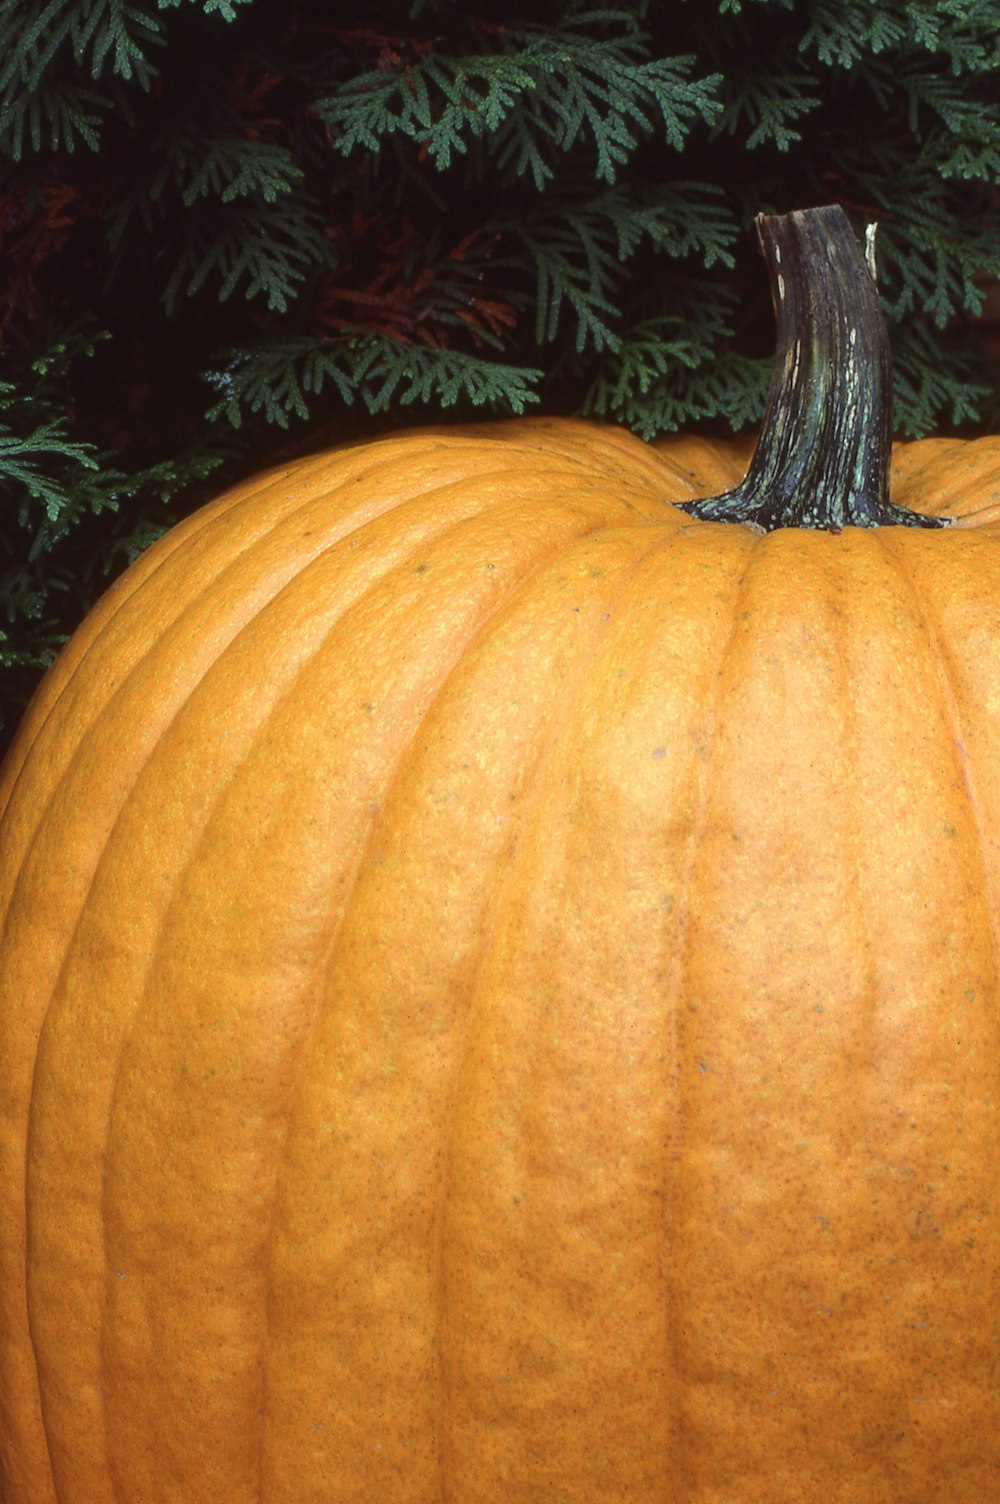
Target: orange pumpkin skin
[500, 997]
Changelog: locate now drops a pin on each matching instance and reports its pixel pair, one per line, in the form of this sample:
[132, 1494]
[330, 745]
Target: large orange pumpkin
[500, 996]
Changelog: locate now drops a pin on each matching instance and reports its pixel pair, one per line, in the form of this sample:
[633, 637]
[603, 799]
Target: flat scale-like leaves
[538, 94]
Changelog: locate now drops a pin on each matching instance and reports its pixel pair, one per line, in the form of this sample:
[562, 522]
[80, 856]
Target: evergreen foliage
[229, 228]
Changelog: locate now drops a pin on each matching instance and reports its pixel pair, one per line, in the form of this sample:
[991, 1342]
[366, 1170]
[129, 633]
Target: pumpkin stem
[822, 458]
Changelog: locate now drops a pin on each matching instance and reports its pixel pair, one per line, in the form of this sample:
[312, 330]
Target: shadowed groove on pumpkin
[919, 575]
[209, 736]
[850, 936]
[588, 957]
[211, 742]
[280, 825]
[406, 971]
[615, 1328]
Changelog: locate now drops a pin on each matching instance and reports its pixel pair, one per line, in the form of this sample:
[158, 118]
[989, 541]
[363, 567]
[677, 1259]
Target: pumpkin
[500, 994]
